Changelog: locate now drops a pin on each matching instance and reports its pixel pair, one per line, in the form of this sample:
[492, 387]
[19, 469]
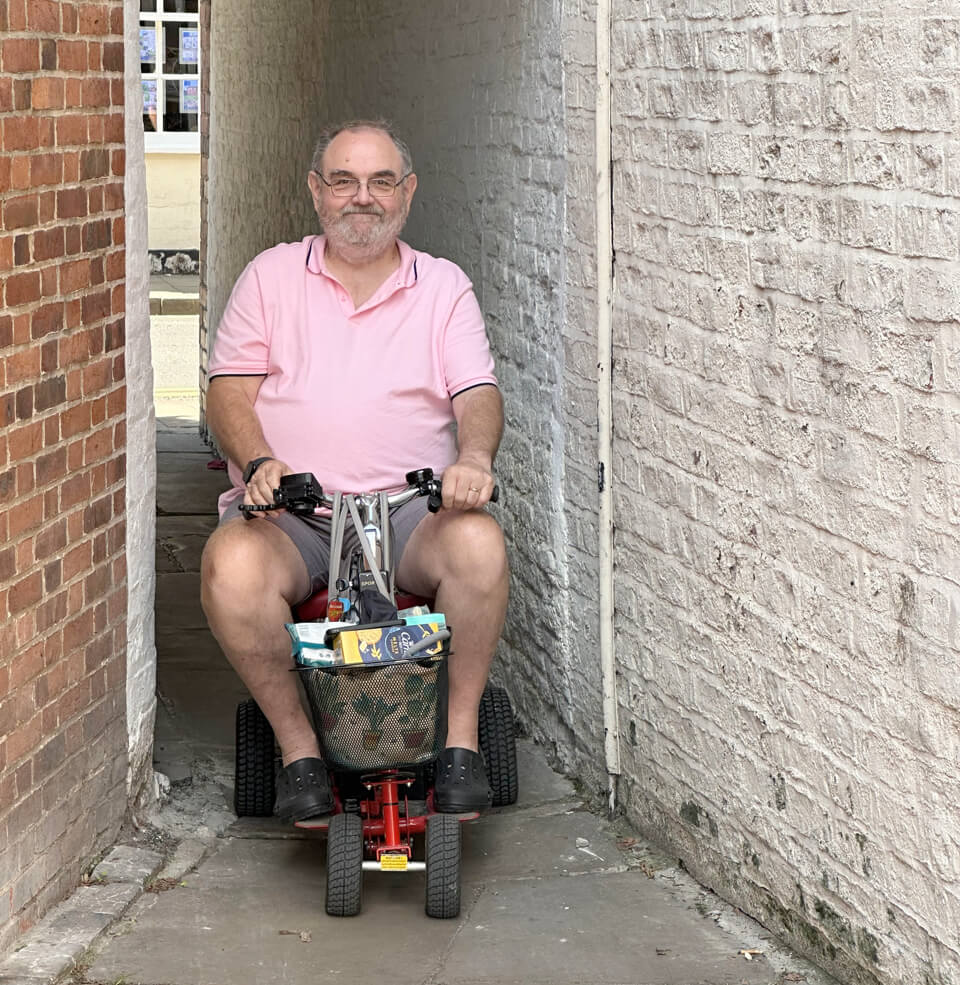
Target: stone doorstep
[55, 944]
[182, 304]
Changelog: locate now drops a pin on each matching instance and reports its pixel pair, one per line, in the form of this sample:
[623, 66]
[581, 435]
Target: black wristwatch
[252, 467]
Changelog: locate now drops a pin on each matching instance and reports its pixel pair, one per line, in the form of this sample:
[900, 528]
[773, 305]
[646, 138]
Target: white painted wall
[787, 222]
[266, 76]
[173, 201]
[141, 435]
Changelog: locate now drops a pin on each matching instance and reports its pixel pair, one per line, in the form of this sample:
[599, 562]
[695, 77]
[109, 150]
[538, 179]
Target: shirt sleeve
[466, 352]
[242, 346]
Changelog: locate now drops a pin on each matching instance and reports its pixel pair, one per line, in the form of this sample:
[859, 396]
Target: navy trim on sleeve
[216, 376]
[466, 389]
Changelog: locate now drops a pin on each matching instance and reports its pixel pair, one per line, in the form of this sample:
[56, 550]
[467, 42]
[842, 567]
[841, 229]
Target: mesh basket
[372, 717]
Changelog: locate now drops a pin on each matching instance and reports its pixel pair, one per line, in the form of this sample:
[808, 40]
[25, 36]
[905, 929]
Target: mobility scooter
[381, 719]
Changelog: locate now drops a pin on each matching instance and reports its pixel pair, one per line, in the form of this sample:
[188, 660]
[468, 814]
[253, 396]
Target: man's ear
[411, 184]
[316, 188]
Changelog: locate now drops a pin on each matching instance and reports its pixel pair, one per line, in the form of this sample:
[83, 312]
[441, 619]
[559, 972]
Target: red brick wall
[62, 448]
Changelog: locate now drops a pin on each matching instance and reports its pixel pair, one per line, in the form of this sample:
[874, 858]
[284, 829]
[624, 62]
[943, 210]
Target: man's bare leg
[251, 574]
[460, 557]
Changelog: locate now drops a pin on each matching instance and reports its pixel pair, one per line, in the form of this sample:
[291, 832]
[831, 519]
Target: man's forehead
[370, 150]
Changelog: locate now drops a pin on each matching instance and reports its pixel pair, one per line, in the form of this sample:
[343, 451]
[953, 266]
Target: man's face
[362, 224]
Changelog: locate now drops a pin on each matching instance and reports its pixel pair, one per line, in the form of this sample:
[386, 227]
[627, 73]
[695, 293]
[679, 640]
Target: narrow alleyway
[552, 892]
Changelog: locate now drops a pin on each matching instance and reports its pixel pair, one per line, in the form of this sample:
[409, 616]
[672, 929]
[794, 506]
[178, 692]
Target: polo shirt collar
[405, 275]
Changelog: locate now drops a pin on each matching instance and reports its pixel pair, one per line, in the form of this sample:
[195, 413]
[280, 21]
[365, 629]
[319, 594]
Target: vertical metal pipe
[604, 236]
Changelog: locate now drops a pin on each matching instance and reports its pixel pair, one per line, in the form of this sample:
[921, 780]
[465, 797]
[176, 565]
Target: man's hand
[259, 490]
[467, 485]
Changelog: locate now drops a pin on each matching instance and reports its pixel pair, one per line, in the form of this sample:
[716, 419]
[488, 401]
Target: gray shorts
[311, 536]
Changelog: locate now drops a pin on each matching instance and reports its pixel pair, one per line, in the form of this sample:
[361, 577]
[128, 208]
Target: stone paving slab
[178, 602]
[189, 853]
[127, 863]
[618, 929]
[505, 846]
[205, 724]
[180, 541]
[540, 785]
[56, 943]
[191, 490]
[177, 434]
[240, 916]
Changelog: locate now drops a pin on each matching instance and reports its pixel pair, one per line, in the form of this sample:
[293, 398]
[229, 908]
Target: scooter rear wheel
[498, 743]
[443, 866]
[344, 865]
[254, 766]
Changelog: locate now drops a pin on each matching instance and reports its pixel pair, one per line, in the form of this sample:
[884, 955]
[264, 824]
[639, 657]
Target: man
[351, 356]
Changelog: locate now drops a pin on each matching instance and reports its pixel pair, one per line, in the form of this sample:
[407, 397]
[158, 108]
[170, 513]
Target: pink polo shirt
[358, 396]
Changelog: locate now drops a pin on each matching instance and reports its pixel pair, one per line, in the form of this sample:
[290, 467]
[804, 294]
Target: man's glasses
[346, 187]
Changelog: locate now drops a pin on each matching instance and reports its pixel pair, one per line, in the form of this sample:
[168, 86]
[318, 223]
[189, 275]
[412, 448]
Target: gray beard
[373, 239]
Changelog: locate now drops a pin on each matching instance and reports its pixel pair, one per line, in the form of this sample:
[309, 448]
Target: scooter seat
[315, 607]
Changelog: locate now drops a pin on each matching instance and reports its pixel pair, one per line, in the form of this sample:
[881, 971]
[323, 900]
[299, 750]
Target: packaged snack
[383, 644]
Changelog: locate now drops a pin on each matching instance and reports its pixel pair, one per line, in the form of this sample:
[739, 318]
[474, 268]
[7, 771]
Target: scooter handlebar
[301, 494]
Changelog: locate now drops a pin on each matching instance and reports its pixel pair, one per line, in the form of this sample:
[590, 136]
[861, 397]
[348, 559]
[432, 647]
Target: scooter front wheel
[443, 866]
[344, 865]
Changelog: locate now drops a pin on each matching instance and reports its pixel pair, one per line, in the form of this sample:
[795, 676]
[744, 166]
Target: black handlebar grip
[419, 476]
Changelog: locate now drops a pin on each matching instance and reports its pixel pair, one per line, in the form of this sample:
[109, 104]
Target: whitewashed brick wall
[266, 74]
[141, 514]
[787, 223]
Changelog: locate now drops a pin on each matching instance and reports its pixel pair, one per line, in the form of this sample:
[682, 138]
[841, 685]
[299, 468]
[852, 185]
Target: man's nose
[362, 194]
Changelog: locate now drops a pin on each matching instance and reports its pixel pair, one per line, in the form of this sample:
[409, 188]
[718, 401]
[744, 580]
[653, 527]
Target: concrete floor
[552, 893]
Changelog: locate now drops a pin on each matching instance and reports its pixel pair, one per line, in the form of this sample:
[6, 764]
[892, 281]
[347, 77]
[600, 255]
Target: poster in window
[189, 45]
[149, 95]
[148, 45]
[189, 95]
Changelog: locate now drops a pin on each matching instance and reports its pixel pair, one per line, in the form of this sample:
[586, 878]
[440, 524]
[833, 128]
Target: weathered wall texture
[141, 498]
[261, 82]
[63, 583]
[787, 223]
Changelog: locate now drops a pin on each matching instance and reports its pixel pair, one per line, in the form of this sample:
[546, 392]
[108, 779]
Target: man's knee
[474, 545]
[241, 563]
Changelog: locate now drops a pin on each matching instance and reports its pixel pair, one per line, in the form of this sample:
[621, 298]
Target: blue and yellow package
[383, 644]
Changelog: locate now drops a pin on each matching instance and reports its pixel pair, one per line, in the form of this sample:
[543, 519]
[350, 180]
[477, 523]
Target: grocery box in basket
[376, 645]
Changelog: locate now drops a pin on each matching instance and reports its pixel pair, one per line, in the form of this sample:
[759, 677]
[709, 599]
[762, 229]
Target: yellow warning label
[395, 862]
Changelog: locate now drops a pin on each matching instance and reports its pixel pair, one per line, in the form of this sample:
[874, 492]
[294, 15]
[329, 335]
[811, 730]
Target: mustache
[362, 210]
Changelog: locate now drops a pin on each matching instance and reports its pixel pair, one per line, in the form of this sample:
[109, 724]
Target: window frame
[163, 141]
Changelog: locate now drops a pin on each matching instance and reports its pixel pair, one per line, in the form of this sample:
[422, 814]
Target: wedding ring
[474, 489]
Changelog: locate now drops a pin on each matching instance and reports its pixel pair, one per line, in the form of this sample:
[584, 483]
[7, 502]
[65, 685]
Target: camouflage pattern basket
[379, 716]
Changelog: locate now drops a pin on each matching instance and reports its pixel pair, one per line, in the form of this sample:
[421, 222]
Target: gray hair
[384, 126]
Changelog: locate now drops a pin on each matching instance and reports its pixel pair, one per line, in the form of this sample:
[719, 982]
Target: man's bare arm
[479, 413]
[234, 423]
